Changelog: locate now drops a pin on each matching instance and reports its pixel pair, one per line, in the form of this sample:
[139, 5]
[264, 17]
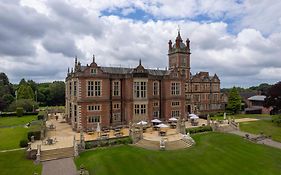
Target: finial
[68, 70]
[75, 59]
[94, 58]
[72, 70]
[140, 62]
[179, 29]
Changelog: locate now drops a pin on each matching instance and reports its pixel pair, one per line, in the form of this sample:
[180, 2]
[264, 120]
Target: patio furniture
[173, 125]
[49, 141]
[162, 133]
[52, 126]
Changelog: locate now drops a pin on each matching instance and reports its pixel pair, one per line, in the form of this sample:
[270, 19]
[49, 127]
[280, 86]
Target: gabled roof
[257, 98]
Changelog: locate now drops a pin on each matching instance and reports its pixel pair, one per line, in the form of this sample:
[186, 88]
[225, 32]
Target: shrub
[19, 111]
[108, 142]
[41, 115]
[27, 104]
[199, 129]
[23, 143]
[36, 134]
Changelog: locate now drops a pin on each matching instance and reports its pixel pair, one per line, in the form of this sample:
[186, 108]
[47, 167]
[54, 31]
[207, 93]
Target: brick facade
[113, 96]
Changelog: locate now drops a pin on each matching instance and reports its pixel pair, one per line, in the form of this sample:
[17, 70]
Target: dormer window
[94, 71]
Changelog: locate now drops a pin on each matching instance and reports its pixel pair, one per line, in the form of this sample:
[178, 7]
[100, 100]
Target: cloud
[19, 27]
[230, 38]
[61, 43]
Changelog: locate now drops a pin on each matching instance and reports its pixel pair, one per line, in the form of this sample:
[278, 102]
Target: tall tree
[273, 97]
[25, 92]
[234, 101]
[5, 86]
[6, 92]
[56, 94]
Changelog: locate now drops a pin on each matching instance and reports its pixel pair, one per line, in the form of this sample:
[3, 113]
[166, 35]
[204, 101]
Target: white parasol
[142, 123]
[193, 116]
[173, 119]
[156, 121]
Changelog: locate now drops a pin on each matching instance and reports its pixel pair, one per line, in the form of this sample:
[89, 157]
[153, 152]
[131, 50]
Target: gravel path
[268, 142]
[59, 167]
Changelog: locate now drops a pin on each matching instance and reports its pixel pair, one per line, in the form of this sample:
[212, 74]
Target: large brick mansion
[114, 95]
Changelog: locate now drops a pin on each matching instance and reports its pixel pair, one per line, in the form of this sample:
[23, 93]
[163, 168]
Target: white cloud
[247, 57]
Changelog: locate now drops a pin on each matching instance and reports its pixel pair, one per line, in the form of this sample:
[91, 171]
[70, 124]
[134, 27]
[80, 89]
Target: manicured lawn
[13, 121]
[265, 126]
[214, 153]
[10, 136]
[15, 163]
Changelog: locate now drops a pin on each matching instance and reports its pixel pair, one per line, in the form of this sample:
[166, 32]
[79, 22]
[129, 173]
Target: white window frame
[175, 113]
[94, 119]
[116, 105]
[94, 107]
[140, 109]
[175, 88]
[175, 103]
[155, 88]
[140, 89]
[94, 88]
[115, 88]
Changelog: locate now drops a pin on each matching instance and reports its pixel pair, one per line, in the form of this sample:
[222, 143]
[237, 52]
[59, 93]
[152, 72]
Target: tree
[263, 88]
[28, 105]
[6, 92]
[273, 97]
[56, 94]
[25, 92]
[32, 84]
[234, 101]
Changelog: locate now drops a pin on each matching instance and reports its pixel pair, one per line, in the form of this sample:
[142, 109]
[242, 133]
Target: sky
[239, 40]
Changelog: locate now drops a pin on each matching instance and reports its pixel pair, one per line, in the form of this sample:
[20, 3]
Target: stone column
[38, 153]
[208, 120]
[141, 131]
[82, 139]
[75, 147]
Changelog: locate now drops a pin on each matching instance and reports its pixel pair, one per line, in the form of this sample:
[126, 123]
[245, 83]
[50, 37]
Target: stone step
[148, 144]
[169, 145]
[57, 153]
[178, 144]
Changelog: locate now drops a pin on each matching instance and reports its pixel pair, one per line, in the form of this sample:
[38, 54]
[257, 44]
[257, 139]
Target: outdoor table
[173, 126]
[50, 141]
[155, 128]
[117, 129]
[162, 133]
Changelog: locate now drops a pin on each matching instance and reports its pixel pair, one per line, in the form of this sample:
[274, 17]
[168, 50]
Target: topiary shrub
[19, 111]
[36, 134]
[23, 143]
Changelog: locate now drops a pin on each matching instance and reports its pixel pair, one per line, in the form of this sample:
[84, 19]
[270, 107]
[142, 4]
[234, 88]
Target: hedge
[108, 142]
[19, 111]
[199, 129]
[12, 114]
[23, 143]
[36, 134]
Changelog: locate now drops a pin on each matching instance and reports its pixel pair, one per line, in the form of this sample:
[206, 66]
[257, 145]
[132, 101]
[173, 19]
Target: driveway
[59, 167]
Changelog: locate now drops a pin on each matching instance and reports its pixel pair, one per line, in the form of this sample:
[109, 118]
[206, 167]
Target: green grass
[11, 136]
[265, 126]
[214, 153]
[15, 163]
[13, 121]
